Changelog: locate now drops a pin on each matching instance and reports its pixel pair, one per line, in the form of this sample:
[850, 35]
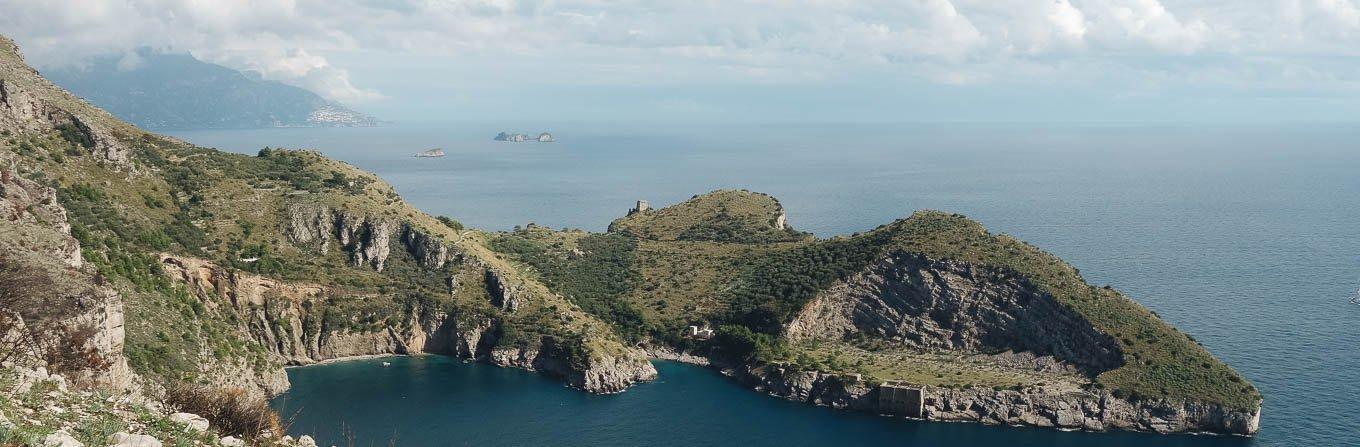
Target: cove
[441, 401]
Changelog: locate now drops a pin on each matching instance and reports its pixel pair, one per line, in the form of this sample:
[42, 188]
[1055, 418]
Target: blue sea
[1246, 237]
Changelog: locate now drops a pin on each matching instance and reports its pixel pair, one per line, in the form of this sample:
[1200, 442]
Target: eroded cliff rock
[937, 305]
[428, 251]
[87, 312]
[1035, 406]
[930, 305]
[27, 203]
[366, 239]
[290, 321]
[504, 295]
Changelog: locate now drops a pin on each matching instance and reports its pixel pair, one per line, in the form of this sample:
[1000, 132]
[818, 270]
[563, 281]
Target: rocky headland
[170, 267]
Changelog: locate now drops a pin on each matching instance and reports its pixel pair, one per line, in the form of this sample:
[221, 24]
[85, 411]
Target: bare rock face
[1032, 406]
[283, 318]
[104, 313]
[428, 251]
[503, 295]
[366, 239]
[600, 374]
[310, 226]
[614, 374]
[933, 305]
[34, 231]
[24, 202]
[953, 306]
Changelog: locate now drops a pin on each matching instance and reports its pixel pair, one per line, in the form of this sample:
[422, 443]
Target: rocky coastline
[1032, 406]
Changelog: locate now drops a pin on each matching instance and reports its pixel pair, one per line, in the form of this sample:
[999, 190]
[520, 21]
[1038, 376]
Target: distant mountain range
[177, 91]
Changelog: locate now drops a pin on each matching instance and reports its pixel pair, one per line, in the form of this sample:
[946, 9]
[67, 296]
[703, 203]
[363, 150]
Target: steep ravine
[946, 306]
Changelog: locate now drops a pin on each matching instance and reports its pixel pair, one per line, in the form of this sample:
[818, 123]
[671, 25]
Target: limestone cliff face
[428, 251]
[953, 306]
[288, 320]
[26, 203]
[34, 231]
[504, 295]
[1034, 406]
[367, 239]
[602, 374]
[946, 306]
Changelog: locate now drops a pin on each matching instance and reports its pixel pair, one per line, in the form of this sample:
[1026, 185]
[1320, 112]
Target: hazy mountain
[177, 91]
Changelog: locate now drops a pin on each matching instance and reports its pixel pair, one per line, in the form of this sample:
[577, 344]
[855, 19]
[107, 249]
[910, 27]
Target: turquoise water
[438, 401]
[1248, 238]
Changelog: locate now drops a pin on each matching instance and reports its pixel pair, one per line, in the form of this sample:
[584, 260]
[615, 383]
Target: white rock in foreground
[192, 421]
[61, 439]
[121, 439]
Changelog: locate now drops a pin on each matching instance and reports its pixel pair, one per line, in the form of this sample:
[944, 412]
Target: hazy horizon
[753, 61]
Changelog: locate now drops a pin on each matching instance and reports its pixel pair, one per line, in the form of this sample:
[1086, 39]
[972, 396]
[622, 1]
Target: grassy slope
[223, 207]
[1160, 361]
[706, 259]
[762, 286]
[720, 216]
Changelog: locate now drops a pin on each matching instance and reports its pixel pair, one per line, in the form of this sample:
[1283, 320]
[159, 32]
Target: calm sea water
[1247, 238]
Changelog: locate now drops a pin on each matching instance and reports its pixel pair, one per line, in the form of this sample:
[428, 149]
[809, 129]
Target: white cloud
[298, 67]
[637, 42]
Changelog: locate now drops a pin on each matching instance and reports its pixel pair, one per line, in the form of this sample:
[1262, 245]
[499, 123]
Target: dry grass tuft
[231, 411]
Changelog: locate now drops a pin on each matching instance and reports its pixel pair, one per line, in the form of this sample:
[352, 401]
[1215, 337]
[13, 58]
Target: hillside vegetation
[222, 268]
[667, 280]
[719, 216]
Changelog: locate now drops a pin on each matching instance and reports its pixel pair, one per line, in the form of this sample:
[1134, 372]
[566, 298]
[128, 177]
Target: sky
[751, 60]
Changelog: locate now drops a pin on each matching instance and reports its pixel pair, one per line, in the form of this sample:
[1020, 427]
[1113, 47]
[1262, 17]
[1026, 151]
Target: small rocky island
[432, 153]
[519, 137]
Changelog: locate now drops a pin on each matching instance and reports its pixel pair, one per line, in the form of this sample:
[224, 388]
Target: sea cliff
[1032, 406]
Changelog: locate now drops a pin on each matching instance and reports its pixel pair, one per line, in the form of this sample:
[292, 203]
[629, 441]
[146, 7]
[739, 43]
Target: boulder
[61, 439]
[191, 421]
[122, 439]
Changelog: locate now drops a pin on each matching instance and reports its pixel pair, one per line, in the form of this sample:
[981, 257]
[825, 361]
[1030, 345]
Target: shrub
[231, 411]
[739, 344]
[449, 222]
[75, 135]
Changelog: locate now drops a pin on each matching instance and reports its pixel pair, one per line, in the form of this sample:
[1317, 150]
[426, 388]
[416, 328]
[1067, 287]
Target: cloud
[298, 67]
[635, 42]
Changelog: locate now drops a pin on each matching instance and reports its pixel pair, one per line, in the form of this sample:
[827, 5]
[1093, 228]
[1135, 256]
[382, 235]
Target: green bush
[449, 222]
[75, 135]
